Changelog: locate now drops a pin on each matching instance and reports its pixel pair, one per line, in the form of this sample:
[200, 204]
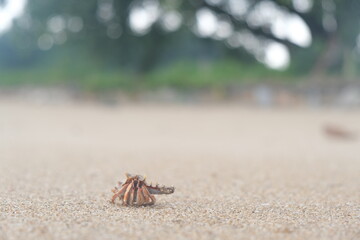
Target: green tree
[331, 49]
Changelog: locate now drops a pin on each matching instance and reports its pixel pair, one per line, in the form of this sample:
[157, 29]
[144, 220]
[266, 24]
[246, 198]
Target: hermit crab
[135, 191]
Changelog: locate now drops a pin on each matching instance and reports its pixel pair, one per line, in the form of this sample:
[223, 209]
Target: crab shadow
[157, 206]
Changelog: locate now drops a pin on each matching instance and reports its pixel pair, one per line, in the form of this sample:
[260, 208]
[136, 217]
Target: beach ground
[239, 173]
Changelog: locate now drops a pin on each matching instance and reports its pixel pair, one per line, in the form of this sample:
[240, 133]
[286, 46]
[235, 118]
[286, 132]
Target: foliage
[147, 54]
[182, 75]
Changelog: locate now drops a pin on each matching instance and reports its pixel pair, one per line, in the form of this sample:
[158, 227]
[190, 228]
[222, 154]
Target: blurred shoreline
[314, 95]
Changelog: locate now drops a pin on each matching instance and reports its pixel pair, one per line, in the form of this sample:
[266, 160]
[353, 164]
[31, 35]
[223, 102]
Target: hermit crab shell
[136, 192]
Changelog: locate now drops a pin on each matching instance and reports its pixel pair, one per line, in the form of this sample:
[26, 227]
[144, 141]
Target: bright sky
[276, 56]
[267, 14]
[9, 11]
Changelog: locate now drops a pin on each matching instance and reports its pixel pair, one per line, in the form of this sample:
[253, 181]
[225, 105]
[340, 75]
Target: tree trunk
[329, 55]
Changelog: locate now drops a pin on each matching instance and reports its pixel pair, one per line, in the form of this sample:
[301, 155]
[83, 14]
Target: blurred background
[253, 51]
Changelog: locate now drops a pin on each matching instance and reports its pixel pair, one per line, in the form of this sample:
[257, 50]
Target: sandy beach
[239, 173]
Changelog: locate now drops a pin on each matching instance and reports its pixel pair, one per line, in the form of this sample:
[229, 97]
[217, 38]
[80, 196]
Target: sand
[239, 173]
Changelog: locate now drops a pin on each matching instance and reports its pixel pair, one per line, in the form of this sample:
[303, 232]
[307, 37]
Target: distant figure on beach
[338, 132]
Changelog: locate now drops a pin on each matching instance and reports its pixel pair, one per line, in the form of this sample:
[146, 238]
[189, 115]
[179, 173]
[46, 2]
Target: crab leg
[131, 197]
[127, 193]
[139, 197]
[153, 199]
[148, 196]
[119, 193]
